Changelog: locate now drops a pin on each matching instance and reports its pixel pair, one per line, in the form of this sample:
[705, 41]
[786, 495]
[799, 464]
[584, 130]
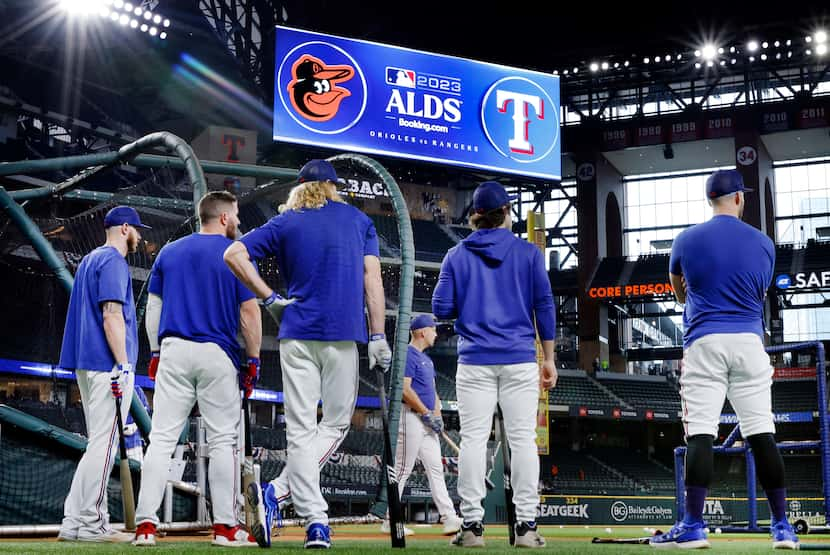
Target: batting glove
[153, 367]
[249, 375]
[379, 352]
[436, 423]
[115, 376]
[275, 305]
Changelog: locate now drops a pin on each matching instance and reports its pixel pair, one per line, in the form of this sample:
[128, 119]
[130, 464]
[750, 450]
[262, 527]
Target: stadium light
[697, 53]
[162, 35]
[167, 23]
[604, 66]
[763, 57]
[157, 19]
[81, 7]
[821, 49]
[153, 31]
[708, 52]
[657, 59]
[752, 46]
[820, 36]
[808, 39]
[144, 27]
[148, 15]
[646, 60]
[776, 44]
[594, 67]
[764, 44]
[625, 63]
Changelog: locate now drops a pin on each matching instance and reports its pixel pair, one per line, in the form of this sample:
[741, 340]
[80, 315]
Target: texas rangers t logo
[520, 119]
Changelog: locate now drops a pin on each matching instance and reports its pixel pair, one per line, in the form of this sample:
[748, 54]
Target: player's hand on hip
[249, 375]
[118, 371]
[548, 375]
[275, 305]
[379, 352]
[153, 366]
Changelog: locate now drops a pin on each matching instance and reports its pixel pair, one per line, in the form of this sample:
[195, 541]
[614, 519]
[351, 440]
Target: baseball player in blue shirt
[100, 342]
[327, 251]
[195, 308]
[495, 285]
[721, 270]
[421, 423]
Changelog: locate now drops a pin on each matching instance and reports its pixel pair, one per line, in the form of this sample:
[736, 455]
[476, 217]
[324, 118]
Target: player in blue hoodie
[495, 284]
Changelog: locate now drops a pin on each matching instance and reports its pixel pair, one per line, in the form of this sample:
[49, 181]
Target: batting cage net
[30, 339]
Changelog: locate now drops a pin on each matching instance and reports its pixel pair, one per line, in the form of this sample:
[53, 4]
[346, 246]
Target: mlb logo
[400, 77]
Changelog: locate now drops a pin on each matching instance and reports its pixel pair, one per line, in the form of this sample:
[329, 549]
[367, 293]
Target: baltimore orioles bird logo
[314, 91]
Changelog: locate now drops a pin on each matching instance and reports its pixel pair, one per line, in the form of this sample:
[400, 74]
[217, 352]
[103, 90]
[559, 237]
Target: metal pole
[201, 470]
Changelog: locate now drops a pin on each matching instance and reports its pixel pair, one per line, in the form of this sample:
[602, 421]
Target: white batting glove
[275, 305]
[379, 352]
[115, 374]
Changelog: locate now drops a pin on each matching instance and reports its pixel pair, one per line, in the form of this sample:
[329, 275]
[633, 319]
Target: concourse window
[658, 208]
[554, 207]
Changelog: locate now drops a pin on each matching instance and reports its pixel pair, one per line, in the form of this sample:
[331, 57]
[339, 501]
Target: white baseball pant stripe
[85, 509]
[314, 370]
[416, 441]
[515, 387]
[191, 372]
[726, 365]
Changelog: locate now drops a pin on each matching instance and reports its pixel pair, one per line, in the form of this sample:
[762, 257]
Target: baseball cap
[489, 196]
[123, 215]
[422, 321]
[724, 182]
[317, 170]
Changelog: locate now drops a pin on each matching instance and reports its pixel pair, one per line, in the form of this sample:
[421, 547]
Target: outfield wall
[653, 511]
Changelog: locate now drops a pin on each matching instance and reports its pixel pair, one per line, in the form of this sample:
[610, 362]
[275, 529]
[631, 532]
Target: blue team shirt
[728, 267]
[200, 295]
[102, 276]
[419, 367]
[320, 255]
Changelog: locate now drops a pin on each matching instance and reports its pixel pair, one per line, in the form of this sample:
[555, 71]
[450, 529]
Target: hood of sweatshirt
[492, 245]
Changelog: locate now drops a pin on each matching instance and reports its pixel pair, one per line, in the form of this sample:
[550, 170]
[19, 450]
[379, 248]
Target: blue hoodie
[494, 284]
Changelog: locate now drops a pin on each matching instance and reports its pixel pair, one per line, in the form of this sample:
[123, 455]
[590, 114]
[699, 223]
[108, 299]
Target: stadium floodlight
[81, 7]
[789, 42]
[734, 61]
[720, 50]
[556, 72]
[576, 70]
[153, 31]
[124, 19]
[114, 16]
[133, 23]
[565, 72]
[776, 44]
[697, 65]
[752, 58]
[710, 63]
[143, 27]
[808, 39]
[752, 46]
[763, 57]
[166, 23]
[118, 3]
[808, 52]
[157, 19]
[764, 44]
[657, 59]
[128, 7]
[162, 35]
[105, 11]
[148, 15]
[625, 63]
[646, 60]
[680, 56]
[604, 66]
[709, 52]
[594, 67]
[138, 11]
[723, 62]
[821, 49]
[697, 53]
[820, 36]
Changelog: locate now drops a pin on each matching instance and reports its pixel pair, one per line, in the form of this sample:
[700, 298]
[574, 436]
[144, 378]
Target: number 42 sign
[747, 155]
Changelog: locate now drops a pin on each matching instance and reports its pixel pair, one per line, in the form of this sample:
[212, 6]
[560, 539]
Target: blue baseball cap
[724, 182]
[317, 170]
[422, 321]
[123, 215]
[489, 196]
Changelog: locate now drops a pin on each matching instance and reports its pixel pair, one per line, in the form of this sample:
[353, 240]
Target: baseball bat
[636, 541]
[508, 487]
[248, 463]
[454, 446]
[127, 496]
[393, 498]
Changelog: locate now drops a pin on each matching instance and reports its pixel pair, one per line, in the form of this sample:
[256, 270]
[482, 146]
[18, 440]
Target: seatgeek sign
[366, 97]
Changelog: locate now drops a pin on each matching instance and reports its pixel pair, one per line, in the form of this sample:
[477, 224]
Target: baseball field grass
[358, 539]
